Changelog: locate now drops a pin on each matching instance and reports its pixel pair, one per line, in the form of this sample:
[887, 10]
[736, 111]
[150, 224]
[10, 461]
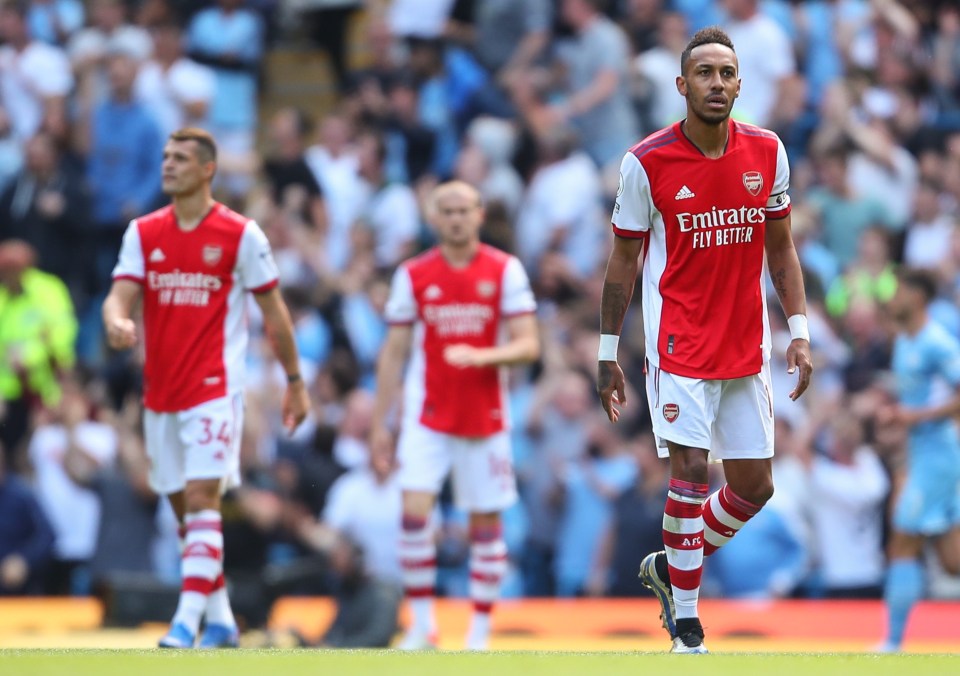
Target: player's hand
[296, 403]
[798, 357]
[462, 355]
[122, 333]
[611, 388]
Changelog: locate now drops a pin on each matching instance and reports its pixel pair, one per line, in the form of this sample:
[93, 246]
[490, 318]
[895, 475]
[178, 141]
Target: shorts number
[223, 435]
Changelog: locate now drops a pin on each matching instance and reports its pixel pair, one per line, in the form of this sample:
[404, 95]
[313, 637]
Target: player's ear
[682, 85]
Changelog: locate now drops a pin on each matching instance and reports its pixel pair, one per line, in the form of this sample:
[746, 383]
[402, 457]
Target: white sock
[479, 635]
[422, 611]
[218, 608]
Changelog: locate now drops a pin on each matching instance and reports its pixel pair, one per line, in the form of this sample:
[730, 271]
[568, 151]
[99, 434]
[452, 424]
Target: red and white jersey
[448, 306]
[194, 316]
[704, 219]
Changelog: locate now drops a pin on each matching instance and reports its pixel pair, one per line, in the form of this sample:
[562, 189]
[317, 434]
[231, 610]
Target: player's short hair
[449, 187]
[923, 281]
[705, 36]
[206, 146]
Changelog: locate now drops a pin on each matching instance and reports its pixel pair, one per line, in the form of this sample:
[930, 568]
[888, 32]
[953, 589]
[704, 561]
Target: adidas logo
[156, 256]
[684, 193]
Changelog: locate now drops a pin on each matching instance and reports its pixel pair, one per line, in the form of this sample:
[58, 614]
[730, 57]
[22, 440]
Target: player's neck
[459, 256]
[191, 209]
[710, 139]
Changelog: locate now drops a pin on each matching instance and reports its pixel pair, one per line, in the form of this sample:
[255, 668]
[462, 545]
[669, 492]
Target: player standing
[925, 356]
[465, 309]
[191, 263]
[700, 202]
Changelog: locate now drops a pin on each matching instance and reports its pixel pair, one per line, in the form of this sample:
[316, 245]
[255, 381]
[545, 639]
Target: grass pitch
[392, 663]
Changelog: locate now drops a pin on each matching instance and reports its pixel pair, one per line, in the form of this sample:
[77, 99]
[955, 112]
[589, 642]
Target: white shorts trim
[733, 419]
[202, 442]
[483, 478]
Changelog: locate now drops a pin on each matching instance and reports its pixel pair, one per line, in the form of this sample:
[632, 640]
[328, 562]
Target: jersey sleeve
[517, 296]
[255, 265]
[401, 307]
[947, 355]
[778, 206]
[632, 212]
[130, 264]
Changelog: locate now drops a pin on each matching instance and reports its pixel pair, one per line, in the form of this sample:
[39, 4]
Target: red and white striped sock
[488, 565]
[683, 542]
[200, 565]
[724, 514]
[418, 563]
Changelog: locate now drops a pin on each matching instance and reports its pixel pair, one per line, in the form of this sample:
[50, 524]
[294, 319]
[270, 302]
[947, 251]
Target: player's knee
[201, 495]
[758, 492]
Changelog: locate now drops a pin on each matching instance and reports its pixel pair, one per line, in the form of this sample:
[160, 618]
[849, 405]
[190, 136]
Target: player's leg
[207, 433]
[903, 587]
[749, 485]
[423, 456]
[484, 485]
[682, 410]
[948, 551]
[418, 561]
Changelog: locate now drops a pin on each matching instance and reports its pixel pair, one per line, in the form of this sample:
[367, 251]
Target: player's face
[182, 170]
[710, 83]
[457, 216]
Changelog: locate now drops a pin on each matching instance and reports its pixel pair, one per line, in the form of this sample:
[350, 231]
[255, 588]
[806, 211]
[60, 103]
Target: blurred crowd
[534, 102]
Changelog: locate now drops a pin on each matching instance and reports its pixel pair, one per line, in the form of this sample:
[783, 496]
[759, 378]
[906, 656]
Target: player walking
[925, 357]
[700, 202]
[191, 263]
[464, 309]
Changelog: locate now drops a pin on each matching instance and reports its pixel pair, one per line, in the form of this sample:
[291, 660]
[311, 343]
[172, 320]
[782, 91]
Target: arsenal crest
[212, 254]
[753, 182]
[671, 412]
[486, 288]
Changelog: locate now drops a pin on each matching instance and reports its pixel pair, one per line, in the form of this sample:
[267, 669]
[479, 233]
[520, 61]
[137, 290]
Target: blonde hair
[448, 188]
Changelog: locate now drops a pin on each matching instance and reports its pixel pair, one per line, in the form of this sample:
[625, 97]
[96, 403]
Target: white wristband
[608, 347]
[798, 327]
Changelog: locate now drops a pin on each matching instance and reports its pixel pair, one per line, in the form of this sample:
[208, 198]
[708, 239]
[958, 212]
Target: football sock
[418, 562]
[218, 605]
[903, 589]
[488, 565]
[200, 565]
[683, 543]
[724, 514]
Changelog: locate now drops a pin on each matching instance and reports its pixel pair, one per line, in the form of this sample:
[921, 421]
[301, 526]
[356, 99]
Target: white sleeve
[130, 264]
[516, 297]
[632, 210]
[401, 307]
[255, 265]
[778, 205]
[51, 73]
[192, 82]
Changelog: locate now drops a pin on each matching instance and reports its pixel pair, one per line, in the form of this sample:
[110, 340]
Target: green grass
[391, 663]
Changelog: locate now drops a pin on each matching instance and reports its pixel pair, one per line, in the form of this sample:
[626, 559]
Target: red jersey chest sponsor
[460, 305]
[188, 277]
[714, 219]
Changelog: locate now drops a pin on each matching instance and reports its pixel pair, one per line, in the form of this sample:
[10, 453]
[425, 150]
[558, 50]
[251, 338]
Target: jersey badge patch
[753, 182]
[212, 254]
[671, 412]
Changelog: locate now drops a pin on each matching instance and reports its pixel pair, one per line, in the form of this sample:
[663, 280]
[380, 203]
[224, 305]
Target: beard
[708, 116]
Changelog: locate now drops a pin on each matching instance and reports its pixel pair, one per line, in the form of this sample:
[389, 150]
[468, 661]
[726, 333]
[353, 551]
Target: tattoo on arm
[780, 283]
[613, 306]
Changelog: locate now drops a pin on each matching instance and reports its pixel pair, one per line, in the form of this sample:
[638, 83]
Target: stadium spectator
[294, 188]
[54, 21]
[46, 205]
[26, 539]
[35, 77]
[73, 429]
[37, 332]
[176, 90]
[229, 38]
[596, 99]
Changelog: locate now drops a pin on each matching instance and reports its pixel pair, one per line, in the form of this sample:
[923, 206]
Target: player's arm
[618, 283]
[393, 357]
[118, 313]
[279, 328]
[522, 346]
[784, 265]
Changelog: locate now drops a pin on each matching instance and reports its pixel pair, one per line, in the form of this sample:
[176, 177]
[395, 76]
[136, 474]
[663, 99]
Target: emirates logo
[671, 412]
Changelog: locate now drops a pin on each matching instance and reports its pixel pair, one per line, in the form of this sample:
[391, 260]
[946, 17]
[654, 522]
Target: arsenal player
[699, 205]
[461, 312]
[190, 264]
